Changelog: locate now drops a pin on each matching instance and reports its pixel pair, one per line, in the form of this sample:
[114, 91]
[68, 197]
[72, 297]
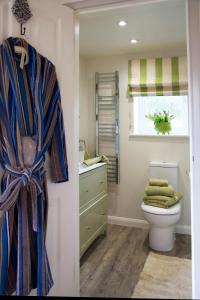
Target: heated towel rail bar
[107, 121]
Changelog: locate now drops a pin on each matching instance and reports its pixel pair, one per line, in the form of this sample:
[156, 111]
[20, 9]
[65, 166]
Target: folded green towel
[158, 182]
[162, 201]
[159, 191]
[177, 196]
[158, 198]
[95, 160]
[166, 204]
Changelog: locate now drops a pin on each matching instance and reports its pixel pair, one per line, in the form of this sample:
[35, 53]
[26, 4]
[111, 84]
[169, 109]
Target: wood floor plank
[104, 267]
[112, 265]
[129, 262]
[95, 254]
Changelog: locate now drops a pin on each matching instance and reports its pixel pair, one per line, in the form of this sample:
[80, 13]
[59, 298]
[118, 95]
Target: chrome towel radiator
[107, 121]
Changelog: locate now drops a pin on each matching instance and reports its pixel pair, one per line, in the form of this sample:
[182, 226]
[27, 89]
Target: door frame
[193, 47]
[67, 262]
[193, 57]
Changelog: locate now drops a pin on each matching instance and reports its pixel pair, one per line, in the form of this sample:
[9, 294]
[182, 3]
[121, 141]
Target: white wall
[84, 101]
[136, 152]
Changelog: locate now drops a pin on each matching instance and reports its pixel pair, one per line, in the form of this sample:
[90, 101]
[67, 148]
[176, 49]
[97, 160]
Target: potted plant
[162, 121]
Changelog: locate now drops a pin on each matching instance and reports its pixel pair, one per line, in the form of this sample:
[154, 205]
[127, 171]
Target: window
[176, 105]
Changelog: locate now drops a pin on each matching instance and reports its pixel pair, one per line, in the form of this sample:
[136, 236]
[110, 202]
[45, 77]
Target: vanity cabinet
[93, 205]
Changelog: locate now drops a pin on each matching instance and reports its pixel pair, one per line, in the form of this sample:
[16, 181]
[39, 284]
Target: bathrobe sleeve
[57, 150]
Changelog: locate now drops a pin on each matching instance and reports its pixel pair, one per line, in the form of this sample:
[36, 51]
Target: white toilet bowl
[162, 225]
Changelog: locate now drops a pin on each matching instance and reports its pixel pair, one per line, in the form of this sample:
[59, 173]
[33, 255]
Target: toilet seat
[175, 209]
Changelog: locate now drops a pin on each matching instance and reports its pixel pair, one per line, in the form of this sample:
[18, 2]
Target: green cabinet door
[93, 223]
[93, 185]
[93, 206]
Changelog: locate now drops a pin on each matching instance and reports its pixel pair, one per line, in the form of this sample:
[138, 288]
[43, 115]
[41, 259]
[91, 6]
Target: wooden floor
[112, 265]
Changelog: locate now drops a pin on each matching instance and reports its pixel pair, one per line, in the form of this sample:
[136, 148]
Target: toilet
[162, 221]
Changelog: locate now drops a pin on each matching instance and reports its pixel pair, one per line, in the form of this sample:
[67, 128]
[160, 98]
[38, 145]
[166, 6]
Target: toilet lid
[175, 209]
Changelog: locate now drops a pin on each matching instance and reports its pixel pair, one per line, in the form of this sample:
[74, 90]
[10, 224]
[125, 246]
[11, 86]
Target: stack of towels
[159, 193]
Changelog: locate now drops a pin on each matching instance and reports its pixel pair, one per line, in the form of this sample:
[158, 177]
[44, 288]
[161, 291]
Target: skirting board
[138, 223]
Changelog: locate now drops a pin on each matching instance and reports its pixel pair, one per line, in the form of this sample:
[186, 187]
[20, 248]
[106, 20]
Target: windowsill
[135, 135]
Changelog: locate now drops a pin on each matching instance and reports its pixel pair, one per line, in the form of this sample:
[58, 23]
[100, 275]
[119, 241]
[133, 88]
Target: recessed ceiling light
[122, 23]
[134, 41]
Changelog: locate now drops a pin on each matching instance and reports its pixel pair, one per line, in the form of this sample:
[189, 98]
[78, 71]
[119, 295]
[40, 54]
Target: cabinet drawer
[92, 186]
[91, 220]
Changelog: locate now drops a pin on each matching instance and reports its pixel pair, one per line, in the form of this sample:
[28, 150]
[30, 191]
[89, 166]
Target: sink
[83, 168]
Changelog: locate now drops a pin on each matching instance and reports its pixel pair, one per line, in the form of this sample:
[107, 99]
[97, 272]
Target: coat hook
[23, 30]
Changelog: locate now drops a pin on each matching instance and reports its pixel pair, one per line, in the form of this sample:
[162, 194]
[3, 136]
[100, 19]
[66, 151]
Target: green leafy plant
[162, 121]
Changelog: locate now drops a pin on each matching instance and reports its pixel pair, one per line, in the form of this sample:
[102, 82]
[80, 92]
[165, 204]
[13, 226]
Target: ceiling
[157, 27]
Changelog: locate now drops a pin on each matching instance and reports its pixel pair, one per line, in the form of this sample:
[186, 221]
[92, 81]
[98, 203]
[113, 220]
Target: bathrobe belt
[23, 178]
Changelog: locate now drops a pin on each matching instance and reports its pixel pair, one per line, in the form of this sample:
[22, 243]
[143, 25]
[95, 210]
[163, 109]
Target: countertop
[83, 168]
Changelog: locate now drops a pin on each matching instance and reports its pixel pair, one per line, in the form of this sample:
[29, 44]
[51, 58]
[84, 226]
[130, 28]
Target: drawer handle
[87, 191]
[101, 182]
[103, 214]
[88, 228]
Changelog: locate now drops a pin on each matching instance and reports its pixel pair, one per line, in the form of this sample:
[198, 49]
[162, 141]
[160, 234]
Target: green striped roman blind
[158, 76]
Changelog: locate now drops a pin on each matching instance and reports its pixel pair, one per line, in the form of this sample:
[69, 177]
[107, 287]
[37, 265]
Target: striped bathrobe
[30, 106]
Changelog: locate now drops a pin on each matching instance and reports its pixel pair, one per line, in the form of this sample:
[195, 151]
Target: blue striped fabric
[30, 106]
